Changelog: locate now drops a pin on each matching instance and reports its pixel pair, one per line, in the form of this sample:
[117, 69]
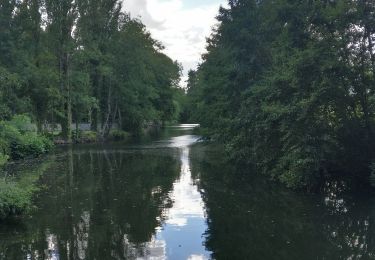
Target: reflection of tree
[254, 219]
[101, 205]
[14, 236]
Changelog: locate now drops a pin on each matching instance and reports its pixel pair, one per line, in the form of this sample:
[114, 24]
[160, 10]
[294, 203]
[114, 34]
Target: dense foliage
[19, 139]
[82, 61]
[13, 199]
[75, 61]
[289, 87]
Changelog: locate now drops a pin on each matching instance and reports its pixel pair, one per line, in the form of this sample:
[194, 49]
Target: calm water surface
[177, 198]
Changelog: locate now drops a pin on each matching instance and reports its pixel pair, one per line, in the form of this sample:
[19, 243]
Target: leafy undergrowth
[17, 192]
[14, 199]
[19, 140]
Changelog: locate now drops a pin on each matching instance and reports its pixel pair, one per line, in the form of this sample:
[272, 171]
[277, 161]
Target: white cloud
[181, 26]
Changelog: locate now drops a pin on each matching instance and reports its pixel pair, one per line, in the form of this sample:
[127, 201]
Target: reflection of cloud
[187, 200]
[179, 237]
[177, 142]
[82, 234]
[187, 205]
[153, 250]
[197, 257]
[81, 240]
[52, 252]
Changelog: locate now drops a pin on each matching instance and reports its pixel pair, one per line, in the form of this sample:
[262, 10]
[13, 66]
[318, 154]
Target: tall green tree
[97, 26]
[288, 87]
[82, 61]
[61, 20]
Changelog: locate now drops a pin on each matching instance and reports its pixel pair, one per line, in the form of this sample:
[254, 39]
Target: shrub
[14, 200]
[8, 133]
[19, 140]
[3, 159]
[23, 124]
[30, 144]
[118, 135]
[89, 136]
[86, 137]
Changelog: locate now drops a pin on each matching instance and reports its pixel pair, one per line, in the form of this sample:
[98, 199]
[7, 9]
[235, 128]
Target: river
[174, 197]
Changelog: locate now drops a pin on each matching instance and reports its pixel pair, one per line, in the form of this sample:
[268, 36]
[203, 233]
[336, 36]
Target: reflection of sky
[187, 200]
[180, 237]
[185, 224]
[177, 142]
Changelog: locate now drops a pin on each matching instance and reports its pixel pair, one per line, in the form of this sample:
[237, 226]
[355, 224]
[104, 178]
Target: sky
[181, 25]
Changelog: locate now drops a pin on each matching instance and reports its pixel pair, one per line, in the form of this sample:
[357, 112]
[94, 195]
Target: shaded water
[176, 198]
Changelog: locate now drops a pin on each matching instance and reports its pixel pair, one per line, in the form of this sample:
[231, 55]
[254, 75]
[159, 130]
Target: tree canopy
[288, 86]
[82, 61]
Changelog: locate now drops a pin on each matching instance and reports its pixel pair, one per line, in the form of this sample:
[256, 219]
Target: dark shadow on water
[253, 218]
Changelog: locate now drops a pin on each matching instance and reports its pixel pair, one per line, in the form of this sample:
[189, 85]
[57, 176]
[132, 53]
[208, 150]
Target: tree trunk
[39, 125]
[66, 124]
[95, 111]
[105, 128]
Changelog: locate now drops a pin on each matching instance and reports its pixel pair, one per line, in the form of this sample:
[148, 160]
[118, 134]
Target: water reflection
[115, 203]
[187, 200]
[251, 217]
[174, 200]
[185, 222]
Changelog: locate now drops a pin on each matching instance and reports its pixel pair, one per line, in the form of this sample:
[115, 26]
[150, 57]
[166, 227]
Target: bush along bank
[14, 200]
[19, 140]
[86, 137]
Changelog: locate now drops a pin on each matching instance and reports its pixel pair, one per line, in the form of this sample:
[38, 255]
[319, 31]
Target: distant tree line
[289, 87]
[82, 61]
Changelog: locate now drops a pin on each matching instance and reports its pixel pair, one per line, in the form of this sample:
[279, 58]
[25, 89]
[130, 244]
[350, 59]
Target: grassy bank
[19, 140]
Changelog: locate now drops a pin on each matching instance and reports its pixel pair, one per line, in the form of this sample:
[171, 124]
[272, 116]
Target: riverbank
[19, 140]
[20, 144]
[89, 137]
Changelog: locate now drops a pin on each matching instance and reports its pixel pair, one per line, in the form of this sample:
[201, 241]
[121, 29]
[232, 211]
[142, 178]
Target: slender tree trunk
[39, 125]
[66, 124]
[105, 128]
[95, 111]
[119, 119]
[113, 118]
[371, 51]
[77, 125]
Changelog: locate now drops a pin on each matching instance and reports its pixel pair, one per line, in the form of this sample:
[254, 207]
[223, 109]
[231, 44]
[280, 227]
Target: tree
[288, 86]
[84, 59]
[61, 20]
[97, 26]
